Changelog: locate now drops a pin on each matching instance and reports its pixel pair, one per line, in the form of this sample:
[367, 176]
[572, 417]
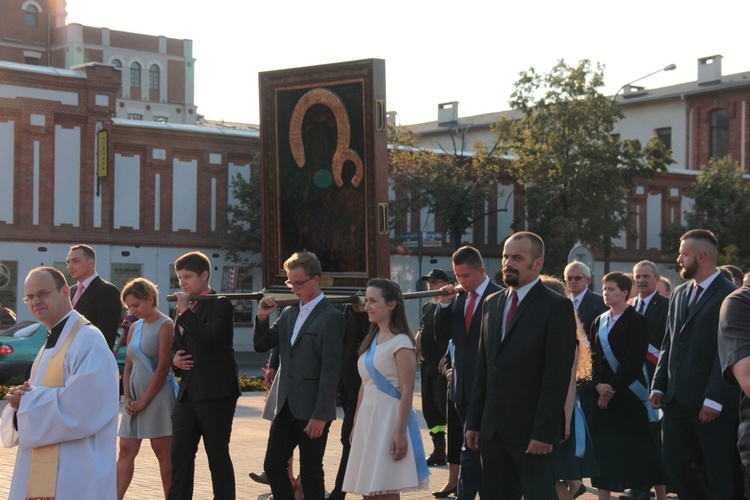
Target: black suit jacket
[522, 381]
[207, 333]
[629, 342]
[100, 304]
[450, 324]
[312, 365]
[590, 308]
[656, 315]
[688, 370]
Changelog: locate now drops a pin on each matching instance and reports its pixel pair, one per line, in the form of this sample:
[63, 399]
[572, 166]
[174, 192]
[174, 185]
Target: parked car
[19, 346]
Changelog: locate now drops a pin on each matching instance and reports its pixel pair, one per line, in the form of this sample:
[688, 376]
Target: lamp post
[668, 67]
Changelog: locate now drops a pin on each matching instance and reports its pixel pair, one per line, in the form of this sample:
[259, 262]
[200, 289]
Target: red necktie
[698, 290]
[470, 309]
[511, 310]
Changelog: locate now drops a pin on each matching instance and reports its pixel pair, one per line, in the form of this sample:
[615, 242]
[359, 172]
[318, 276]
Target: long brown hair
[391, 292]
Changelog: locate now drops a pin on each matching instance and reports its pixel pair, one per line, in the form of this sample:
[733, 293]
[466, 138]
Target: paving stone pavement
[249, 438]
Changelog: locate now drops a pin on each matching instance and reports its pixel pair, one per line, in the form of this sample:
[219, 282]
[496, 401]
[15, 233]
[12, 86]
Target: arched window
[135, 75]
[117, 63]
[719, 133]
[153, 77]
[30, 17]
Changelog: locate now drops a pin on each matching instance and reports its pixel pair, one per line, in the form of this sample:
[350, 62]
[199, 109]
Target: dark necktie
[470, 309]
[511, 310]
[641, 305]
[696, 296]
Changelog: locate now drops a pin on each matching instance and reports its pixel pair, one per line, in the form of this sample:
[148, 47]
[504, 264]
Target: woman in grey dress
[148, 384]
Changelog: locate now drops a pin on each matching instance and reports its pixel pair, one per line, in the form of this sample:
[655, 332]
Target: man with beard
[526, 351]
[700, 411]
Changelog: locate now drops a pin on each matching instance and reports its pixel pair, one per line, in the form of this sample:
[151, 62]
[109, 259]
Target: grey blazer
[309, 368]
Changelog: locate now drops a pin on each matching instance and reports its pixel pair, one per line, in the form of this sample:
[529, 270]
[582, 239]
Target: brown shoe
[259, 478]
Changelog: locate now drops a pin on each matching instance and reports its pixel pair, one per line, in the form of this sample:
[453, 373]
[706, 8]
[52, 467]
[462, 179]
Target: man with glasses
[64, 418]
[309, 336]
[203, 356]
[588, 305]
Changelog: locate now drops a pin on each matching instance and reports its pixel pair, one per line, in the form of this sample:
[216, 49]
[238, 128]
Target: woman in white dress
[148, 384]
[387, 455]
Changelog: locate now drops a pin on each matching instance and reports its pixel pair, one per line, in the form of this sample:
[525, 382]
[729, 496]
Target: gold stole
[44, 459]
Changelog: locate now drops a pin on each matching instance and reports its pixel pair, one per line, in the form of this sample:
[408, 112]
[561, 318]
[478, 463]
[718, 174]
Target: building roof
[483, 120]
[123, 122]
[45, 70]
[643, 95]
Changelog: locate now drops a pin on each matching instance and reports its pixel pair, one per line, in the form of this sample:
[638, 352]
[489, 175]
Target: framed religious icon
[324, 171]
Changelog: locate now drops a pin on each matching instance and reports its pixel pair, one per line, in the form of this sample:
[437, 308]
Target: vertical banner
[102, 153]
[324, 170]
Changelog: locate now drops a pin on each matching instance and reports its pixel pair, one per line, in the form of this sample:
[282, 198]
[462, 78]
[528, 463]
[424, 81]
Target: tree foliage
[576, 175]
[243, 226]
[450, 182]
[721, 205]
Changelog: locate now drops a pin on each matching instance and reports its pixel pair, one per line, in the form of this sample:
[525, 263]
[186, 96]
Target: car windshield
[21, 330]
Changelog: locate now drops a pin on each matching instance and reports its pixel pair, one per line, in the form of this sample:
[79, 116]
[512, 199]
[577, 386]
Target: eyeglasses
[41, 295]
[574, 278]
[292, 284]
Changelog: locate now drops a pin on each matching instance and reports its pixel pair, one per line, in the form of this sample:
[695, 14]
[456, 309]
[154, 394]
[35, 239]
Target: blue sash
[135, 344]
[580, 427]
[636, 387]
[384, 385]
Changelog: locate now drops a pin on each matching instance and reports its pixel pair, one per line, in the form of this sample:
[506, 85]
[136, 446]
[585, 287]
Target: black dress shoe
[444, 493]
[581, 490]
[436, 459]
[635, 494]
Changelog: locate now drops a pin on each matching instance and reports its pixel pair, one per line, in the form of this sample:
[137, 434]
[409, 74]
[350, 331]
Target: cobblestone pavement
[249, 437]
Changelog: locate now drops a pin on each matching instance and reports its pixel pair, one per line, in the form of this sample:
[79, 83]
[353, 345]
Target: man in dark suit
[588, 305]
[526, 352]
[96, 299]
[700, 410]
[734, 354]
[203, 356]
[457, 317]
[310, 338]
[653, 306]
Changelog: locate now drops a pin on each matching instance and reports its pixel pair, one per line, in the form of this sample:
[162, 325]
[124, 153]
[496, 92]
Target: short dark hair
[196, 262]
[87, 250]
[701, 234]
[468, 255]
[141, 289]
[735, 271]
[537, 243]
[57, 276]
[622, 281]
[307, 260]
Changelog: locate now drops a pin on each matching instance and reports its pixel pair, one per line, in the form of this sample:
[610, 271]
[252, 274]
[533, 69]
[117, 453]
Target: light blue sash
[135, 343]
[384, 385]
[636, 387]
[580, 427]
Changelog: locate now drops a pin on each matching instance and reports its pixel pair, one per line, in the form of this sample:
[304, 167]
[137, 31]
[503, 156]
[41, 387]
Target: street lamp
[668, 67]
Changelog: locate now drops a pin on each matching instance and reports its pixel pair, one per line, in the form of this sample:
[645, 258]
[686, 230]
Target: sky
[435, 51]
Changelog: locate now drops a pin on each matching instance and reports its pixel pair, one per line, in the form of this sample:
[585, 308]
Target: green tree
[449, 182]
[721, 204]
[243, 226]
[576, 174]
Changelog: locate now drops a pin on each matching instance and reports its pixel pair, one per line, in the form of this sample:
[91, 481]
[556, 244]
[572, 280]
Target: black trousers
[512, 473]
[433, 385]
[211, 420]
[699, 458]
[349, 402]
[288, 433]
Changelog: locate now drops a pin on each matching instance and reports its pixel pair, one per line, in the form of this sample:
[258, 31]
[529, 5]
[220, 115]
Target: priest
[64, 418]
